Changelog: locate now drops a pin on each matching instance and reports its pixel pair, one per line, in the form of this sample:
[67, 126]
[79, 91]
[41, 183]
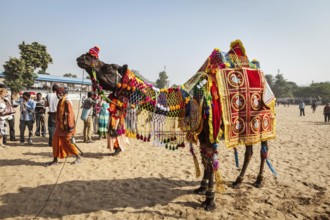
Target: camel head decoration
[215, 102]
[108, 75]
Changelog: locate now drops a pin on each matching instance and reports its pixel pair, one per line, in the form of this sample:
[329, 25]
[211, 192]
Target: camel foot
[209, 204]
[258, 182]
[237, 183]
[200, 191]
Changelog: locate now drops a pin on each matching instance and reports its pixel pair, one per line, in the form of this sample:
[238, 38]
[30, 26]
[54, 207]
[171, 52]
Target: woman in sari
[103, 119]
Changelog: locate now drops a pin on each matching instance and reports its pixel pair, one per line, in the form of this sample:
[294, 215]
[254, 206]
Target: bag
[113, 133]
[9, 110]
[88, 104]
[84, 114]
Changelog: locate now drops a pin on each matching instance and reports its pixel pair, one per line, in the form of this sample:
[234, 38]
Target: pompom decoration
[94, 52]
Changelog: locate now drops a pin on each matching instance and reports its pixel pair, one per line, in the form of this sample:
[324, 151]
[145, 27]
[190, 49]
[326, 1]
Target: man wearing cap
[65, 129]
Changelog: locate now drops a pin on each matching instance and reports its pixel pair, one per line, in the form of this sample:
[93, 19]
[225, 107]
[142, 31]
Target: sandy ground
[147, 182]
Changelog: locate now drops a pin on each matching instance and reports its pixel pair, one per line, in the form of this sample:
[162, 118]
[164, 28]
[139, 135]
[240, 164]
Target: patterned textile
[103, 119]
[247, 105]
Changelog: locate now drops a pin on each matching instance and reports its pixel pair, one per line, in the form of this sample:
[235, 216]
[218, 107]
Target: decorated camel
[228, 96]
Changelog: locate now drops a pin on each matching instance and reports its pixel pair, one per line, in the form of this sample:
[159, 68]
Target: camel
[202, 98]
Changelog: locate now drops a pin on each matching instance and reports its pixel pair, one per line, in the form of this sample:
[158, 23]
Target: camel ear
[124, 69]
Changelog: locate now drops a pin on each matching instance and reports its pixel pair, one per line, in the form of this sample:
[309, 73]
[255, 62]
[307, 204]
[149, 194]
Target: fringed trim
[198, 171]
[218, 182]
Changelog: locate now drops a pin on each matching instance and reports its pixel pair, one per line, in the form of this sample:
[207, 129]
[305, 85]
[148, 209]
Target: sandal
[75, 162]
[51, 163]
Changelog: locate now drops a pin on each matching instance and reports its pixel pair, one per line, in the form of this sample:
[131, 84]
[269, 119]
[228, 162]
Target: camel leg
[209, 203]
[263, 157]
[202, 189]
[247, 158]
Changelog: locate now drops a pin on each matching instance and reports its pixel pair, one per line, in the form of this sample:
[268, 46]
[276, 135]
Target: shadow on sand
[19, 162]
[318, 123]
[79, 197]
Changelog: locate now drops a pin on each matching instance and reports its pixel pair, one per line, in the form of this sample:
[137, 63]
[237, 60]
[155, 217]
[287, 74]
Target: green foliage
[35, 55]
[281, 87]
[18, 75]
[70, 75]
[270, 80]
[42, 72]
[19, 72]
[286, 89]
[162, 81]
[317, 90]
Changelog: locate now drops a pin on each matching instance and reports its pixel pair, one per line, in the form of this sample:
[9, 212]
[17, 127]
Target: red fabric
[253, 78]
[238, 50]
[250, 120]
[216, 110]
[94, 52]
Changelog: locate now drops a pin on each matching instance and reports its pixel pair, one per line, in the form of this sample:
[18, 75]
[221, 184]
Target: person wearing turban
[65, 129]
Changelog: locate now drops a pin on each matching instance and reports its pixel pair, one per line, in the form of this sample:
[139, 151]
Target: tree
[42, 72]
[19, 72]
[270, 80]
[293, 87]
[315, 90]
[35, 55]
[70, 75]
[162, 81]
[281, 88]
[70, 85]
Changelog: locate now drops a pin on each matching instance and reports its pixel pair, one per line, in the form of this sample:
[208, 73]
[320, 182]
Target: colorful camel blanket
[247, 106]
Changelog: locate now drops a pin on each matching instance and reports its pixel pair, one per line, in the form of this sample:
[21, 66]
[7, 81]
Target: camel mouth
[81, 63]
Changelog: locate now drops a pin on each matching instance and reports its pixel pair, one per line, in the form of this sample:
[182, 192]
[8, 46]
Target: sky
[289, 36]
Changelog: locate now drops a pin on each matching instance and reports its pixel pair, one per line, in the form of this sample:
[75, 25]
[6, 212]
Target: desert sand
[148, 182]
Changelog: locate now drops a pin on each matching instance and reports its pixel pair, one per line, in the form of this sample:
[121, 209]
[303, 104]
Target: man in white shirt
[51, 103]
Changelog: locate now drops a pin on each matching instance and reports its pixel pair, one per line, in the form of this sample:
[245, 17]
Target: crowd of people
[107, 121]
[98, 118]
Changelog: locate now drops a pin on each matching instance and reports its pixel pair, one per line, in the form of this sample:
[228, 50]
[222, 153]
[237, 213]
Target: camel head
[108, 75]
